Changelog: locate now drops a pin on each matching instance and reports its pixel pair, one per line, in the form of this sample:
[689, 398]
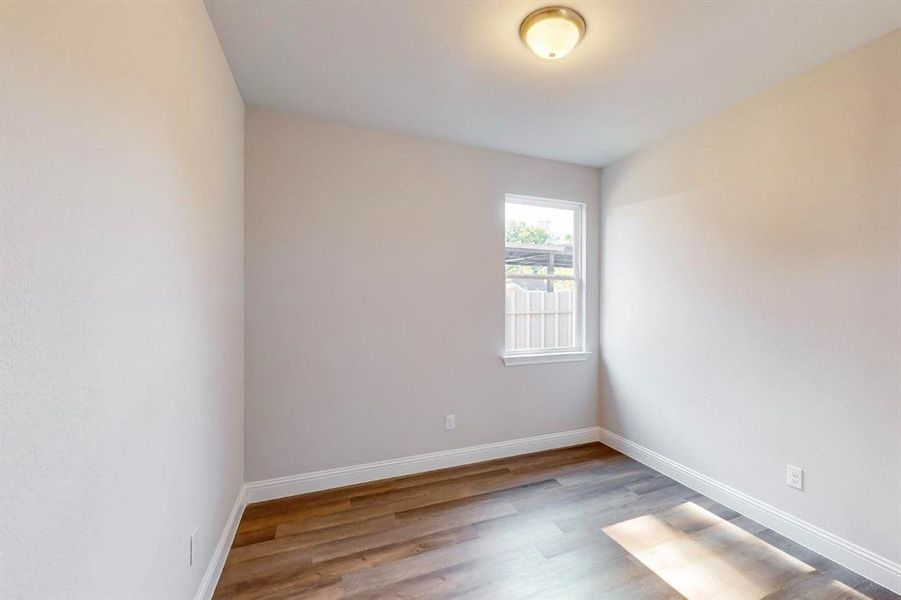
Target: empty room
[426, 299]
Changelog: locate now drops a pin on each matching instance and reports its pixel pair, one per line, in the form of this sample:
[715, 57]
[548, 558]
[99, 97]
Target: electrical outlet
[450, 422]
[192, 548]
[794, 477]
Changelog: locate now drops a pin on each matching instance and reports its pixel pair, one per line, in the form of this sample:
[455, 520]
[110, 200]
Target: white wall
[752, 296]
[375, 297]
[122, 353]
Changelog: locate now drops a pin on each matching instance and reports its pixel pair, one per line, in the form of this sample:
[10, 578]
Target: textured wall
[375, 297]
[752, 296]
[122, 304]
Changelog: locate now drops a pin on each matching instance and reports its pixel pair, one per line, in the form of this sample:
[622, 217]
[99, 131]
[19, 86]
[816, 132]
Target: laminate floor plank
[411, 528]
[580, 522]
[486, 548]
[285, 542]
[301, 572]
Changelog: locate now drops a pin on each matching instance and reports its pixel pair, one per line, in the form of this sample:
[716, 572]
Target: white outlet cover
[450, 422]
[794, 477]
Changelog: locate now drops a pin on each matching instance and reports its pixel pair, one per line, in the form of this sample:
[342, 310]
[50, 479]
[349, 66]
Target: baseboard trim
[217, 560]
[281, 487]
[869, 564]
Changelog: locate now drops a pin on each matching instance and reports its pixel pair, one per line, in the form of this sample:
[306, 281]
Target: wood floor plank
[411, 528]
[433, 487]
[580, 522]
[297, 571]
[490, 544]
[270, 520]
[284, 542]
[815, 585]
[460, 579]
[253, 535]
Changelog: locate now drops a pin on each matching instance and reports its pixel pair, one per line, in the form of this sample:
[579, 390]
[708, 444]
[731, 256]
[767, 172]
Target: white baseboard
[869, 564]
[281, 487]
[217, 560]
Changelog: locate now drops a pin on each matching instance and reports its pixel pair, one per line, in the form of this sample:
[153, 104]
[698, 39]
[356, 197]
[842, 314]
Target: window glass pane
[565, 285]
[512, 268]
[539, 225]
[539, 239]
[540, 314]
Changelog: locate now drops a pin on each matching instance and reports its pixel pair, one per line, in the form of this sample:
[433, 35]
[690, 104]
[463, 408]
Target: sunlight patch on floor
[702, 556]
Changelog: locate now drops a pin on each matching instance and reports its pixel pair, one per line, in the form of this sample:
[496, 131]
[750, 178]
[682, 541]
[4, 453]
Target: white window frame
[578, 351]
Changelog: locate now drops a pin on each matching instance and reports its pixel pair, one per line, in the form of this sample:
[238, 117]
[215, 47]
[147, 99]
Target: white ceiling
[456, 69]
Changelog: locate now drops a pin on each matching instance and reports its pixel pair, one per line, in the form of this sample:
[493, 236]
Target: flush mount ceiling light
[552, 32]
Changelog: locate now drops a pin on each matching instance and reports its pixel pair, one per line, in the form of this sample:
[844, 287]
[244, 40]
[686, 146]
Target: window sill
[516, 360]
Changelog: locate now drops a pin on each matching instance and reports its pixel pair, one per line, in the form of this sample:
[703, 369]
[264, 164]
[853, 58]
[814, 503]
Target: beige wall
[375, 297]
[122, 355]
[752, 300]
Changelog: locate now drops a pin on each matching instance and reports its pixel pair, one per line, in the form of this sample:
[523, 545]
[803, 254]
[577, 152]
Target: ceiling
[456, 69]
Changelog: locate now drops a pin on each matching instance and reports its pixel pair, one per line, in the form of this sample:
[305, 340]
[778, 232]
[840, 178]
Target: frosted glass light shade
[552, 32]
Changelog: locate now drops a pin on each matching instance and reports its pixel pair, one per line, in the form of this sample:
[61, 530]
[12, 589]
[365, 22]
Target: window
[545, 286]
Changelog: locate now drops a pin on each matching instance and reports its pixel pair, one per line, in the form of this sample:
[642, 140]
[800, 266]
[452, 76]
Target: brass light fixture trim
[552, 12]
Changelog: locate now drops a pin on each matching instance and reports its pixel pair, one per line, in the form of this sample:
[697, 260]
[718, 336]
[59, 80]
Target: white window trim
[555, 355]
[516, 360]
